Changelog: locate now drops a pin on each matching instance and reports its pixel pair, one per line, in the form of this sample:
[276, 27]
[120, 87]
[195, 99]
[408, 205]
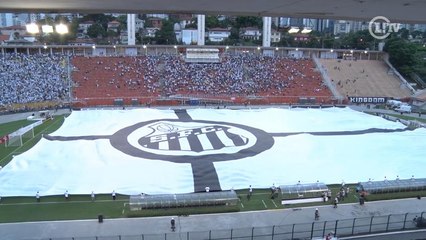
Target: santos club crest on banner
[191, 137]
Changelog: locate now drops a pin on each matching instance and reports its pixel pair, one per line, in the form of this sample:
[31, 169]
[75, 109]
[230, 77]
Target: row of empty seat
[365, 78]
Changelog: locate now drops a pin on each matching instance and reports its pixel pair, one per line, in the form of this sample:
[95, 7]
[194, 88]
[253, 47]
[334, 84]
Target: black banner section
[61, 138]
[205, 175]
[183, 115]
[344, 133]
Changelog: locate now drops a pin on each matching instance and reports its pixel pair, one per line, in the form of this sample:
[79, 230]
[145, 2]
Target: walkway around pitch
[263, 224]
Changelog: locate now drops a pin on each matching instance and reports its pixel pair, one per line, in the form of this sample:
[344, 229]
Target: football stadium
[211, 141]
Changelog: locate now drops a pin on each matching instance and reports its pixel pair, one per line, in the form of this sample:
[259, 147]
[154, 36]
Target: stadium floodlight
[32, 28]
[293, 30]
[47, 29]
[61, 28]
[306, 30]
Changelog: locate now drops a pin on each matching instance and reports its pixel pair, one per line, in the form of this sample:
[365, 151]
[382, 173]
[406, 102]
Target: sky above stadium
[179, 151]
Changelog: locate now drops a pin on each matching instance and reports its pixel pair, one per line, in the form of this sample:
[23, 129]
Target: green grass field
[405, 117]
[20, 209]
[6, 153]
[408, 117]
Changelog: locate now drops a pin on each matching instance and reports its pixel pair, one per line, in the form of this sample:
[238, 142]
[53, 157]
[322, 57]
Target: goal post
[17, 138]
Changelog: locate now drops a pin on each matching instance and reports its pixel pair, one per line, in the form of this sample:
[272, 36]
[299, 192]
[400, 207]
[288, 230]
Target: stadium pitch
[180, 151]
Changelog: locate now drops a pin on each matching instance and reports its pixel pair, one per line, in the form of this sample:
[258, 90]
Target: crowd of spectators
[244, 74]
[43, 77]
[236, 74]
[115, 76]
[32, 78]
[166, 75]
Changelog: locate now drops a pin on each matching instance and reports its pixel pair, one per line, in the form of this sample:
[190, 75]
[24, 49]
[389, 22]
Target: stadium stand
[238, 78]
[26, 79]
[283, 80]
[100, 80]
[364, 78]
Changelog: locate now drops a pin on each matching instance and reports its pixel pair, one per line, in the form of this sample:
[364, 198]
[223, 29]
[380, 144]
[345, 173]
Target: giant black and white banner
[166, 151]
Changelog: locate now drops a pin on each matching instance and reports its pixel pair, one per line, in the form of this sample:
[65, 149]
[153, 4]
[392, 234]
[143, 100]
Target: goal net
[17, 138]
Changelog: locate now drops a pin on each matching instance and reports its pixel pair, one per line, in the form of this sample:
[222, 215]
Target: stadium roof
[396, 10]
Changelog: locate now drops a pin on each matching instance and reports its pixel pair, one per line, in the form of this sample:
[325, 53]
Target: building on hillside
[301, 37]
[218, 34]
[139, 25]
[124, 38]
[344, 26]
[184, 19]
[160, 16]
[116, 15]
[250, 33]
[29, 37]
[4, 39]
[155, 22]
[275, 36]
[324, 25]
[6, 19]
[178, 31]
[149, 31]
[113, 26]
[419, 27]
[22, 19]
[82, 27]
[20, 41]
[295, 22]
[359, 26]
[14, 31]
[189, 36]
[319, 25]
[178, 35]
[34, 17]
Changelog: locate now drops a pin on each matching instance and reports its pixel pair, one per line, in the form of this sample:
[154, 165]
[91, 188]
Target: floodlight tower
[266, 36]
[131, 26]
[201, 29]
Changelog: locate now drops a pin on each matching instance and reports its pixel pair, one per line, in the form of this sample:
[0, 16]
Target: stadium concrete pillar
[201, 29]
[266, 34]
[131, 26]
